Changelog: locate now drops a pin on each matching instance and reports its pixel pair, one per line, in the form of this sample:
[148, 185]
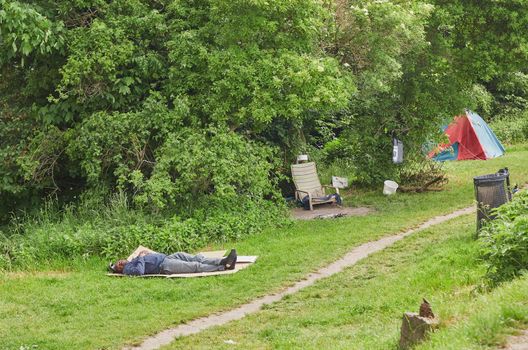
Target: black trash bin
[491, 191]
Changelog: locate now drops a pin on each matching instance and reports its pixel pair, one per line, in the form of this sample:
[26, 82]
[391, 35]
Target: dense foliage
[194, 109]
[112, 228]
[98, 88]
[511, 130]
[416, 66]
[509, 107]
[505, 240]
[180, 105]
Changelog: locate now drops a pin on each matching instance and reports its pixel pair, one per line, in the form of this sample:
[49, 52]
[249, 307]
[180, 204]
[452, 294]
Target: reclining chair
[307, 184]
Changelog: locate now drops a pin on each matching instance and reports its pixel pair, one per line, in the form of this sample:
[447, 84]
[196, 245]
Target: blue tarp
[450, 153]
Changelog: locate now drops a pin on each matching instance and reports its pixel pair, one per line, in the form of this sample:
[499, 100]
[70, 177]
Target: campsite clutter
[397, 150]
[491, 191]
[339, 182]
[470, 137]
[308, 188]
[309, 192]
[389, 187]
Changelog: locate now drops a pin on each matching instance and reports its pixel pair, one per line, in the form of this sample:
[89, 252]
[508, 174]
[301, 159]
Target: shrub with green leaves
[511, 130]
[505, 240]
[510, 92]
[108, 83]
[114, 229]
[186, 106]
[181, 105]
[205, 169]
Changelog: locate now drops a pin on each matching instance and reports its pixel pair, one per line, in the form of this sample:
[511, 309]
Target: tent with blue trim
[470, 137]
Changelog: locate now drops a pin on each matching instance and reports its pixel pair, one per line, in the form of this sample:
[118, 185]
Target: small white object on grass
[339, 182]
[232, 342]
[389, 187]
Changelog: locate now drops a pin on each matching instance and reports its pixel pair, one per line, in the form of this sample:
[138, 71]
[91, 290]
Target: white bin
[389, 187]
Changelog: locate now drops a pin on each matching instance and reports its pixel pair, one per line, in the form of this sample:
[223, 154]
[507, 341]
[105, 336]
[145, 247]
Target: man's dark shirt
[144, 265]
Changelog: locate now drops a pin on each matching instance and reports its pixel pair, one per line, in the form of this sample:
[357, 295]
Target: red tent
[469, 138]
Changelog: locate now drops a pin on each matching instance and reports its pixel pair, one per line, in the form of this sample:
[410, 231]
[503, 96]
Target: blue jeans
[187, 263]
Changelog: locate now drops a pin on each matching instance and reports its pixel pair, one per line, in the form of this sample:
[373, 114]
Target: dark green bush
[510, 92]
[505, 240]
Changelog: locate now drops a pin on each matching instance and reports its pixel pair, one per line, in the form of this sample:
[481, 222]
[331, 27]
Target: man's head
[118, 266]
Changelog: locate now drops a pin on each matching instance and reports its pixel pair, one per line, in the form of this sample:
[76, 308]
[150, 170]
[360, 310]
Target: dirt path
[518, 342]
[329, 211]
[351, 258]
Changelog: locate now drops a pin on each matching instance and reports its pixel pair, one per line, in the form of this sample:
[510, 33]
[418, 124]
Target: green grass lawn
[362, 307]
[487, 320]
[79, 307]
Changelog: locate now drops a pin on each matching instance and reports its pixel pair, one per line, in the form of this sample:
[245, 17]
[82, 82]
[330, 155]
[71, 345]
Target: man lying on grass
[149, 263]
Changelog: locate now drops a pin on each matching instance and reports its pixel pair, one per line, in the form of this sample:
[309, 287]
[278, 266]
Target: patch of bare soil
[518, 342]
[327, 211]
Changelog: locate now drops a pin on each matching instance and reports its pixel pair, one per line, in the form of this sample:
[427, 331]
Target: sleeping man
[148, 263]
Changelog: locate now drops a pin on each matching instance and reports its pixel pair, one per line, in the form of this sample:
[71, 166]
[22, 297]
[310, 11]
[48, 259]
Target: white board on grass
[339, 182]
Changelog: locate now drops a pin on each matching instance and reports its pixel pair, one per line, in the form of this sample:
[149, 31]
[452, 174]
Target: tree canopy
[174, 102]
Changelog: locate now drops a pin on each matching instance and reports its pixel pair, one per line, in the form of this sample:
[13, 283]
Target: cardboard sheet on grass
[243, 261]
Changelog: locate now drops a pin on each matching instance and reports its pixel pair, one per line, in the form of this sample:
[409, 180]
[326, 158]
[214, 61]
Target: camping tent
[469, 138]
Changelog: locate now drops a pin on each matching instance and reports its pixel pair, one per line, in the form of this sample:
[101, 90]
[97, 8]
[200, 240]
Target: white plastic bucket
[389, 187]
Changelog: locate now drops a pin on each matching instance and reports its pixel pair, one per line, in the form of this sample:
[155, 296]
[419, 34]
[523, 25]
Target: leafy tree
[415, 67]
[93, 91]
[489, 49]
[100, 89]
[486, 37]
[402, 80]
